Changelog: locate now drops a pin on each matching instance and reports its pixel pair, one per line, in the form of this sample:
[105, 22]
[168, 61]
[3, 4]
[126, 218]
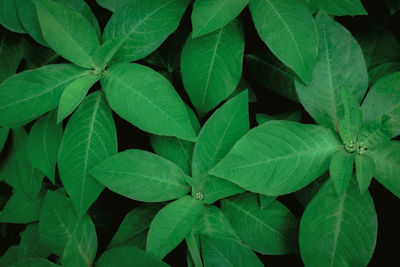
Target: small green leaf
[9, 17]
[341, 170]
[338, 230]
[294, 115]
[193, 253]
[373, 134]
[280, 156]
[20, 209]
[211, 66]
[211, 15]
[141, 175]
[271, 231]
[287, 22]
[68, 32]
[172, 224]
[89, 138]
[128, 256]
[365, 170]
[73, 95]
[106, 51]
[30, 245]
[43, 143]
[340, 8]
[147, 100]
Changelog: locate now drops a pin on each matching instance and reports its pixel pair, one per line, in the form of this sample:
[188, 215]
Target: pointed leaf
[340, 64]
[338, 230]
[106, 51]
[30, 245]
[9, 17]
[142, 176]
[211, 66]
[20, 209]
[29, 94]
[374, 133]
[43, 143]
[365, 170]
[89, 137]
[147, 100]
[280, 157]
[172, 224]
[341, 170]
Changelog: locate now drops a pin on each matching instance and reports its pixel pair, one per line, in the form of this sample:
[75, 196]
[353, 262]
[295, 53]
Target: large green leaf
[11, 54]
[287, 22]
[340, 64]
[211, 15]
[30, 245]
[127, 257]
[172, 224]
[43, 143]
[221, 131]
[68, 32]
[29, 94]
[20, 209]
[278, 157]
[341, 170]
[384, 98]
[147, 100]
[271, 231]
[9, 17]
[141, 175]
[387, 165]
[339, 8]
[90, 137]
[338, 230]
[144, 25]
[211, 66]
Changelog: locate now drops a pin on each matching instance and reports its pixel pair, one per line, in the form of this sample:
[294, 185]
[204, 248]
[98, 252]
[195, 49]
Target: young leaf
[73, 95]
[30, 245]
[29, 94]
[3, 138]
[340, 8]
[387, 165]
[221, 131]
[374, 133]
[20, 209]
[365, 170]
[37, 262]
[294, 115]
[211, 15]
[106, 51]
[9, 17]
[144, 25]
[341, 170]
[68, 32]
[271, 231]
[43, 143]
[280, 156]
[347, 223]
[172, 224]
[384, 98]
[227, 252]
[147, 100]
[128, 256]
[211, 66]
[287, 22]
[340, 64]
[90, 137]
[142, 176]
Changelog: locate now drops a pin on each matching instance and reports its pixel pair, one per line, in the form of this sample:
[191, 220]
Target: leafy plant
[211, 178]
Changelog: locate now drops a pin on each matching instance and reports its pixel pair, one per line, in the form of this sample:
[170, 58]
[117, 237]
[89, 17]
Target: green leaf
[10, 256]
[20, 209]
[111, 5]
[341, 170]
[134, 223]
[128, 256]
[147, 100]
[68, 32]
[211, 15]
[142, 176]
[43, 143]
[30, 245]
[365, 170]
[3, 138]
[340, 8]
[193, 255]
[265, 200]
[34, 263]
[172, 224]
[226, 252]
[37, 55]
[387, 165]
[9, 17]
[381, 71]
[89, 138]
[384, 98]
[29, 94]
[211, 66]
[221, 131]
[11, 54]
[350, 125]
[287, 22]
[338, 230]
[106, 51]
[339, 65]
[271, 231]
[272, 73]
[73, 95]
[374, 133]
[280, 157]
[145, 25]
[294, 115]
[305, 195]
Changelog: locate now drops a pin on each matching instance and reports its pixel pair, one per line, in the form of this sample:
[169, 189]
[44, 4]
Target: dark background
[109, 210]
